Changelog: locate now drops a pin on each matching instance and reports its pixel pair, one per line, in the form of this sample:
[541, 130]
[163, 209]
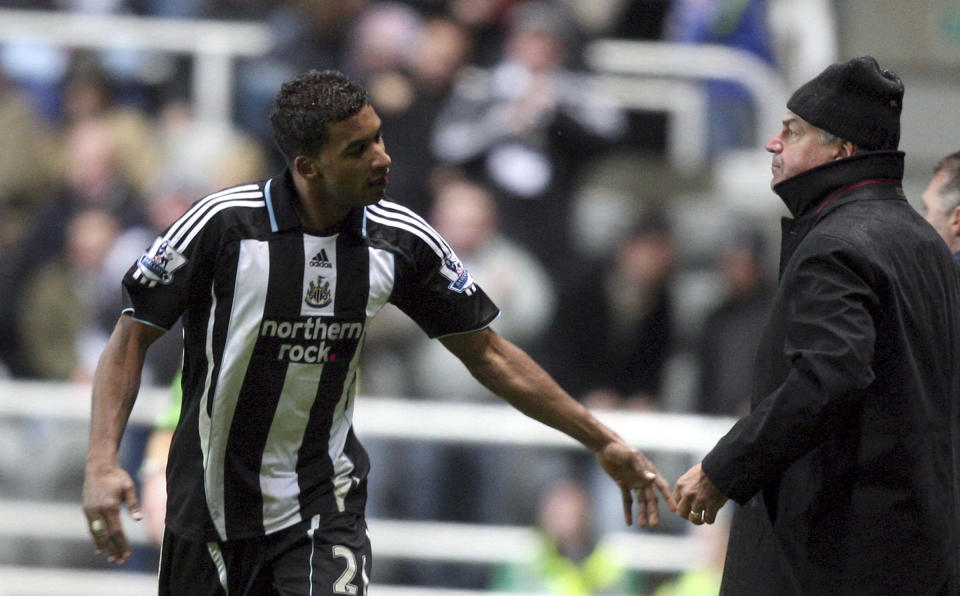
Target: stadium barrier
[390, 418]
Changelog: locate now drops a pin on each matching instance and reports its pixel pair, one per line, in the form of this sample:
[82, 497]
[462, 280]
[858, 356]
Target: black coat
[846, 468]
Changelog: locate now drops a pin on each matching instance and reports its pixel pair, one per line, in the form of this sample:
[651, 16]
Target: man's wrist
[98, 460]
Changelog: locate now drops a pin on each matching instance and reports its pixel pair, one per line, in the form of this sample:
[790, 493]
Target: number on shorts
[343, 585]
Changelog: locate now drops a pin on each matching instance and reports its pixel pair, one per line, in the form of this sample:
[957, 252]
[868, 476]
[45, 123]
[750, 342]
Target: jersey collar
[280, 194]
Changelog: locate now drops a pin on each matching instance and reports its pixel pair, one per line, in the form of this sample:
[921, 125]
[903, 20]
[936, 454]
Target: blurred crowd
[556, 197]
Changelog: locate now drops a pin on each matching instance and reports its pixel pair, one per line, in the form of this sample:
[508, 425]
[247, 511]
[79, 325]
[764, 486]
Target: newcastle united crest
[318, 293]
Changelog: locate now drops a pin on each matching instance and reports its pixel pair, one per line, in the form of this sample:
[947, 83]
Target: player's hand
[637, 477]
[105, 489]
[698, 499]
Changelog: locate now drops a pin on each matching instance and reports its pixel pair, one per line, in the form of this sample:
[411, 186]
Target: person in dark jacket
[846, 469]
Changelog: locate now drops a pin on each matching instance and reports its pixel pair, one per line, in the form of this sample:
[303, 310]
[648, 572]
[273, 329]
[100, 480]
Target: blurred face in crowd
[90, 234]
[91, 160]
[944, 220]
[647, 258]
[741, 269]
[799, 146]
[465, 215]
[441, 50]
[538, 50]
[565, 516]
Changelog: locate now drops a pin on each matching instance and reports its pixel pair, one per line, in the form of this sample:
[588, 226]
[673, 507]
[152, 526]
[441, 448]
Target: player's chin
[375, 192]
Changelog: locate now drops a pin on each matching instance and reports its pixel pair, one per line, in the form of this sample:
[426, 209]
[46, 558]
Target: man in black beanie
[846, 469]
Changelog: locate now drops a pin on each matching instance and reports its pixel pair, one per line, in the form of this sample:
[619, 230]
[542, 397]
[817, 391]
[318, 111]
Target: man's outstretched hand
[637, 478]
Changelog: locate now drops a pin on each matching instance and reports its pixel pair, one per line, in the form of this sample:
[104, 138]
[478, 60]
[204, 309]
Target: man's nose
[382, 158]
[774, 145]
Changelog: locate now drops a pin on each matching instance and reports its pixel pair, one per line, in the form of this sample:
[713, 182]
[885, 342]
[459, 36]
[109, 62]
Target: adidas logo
[320, 260]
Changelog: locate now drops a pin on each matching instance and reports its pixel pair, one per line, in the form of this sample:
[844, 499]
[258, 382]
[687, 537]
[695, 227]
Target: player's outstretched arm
[510, 373]
[107, 486]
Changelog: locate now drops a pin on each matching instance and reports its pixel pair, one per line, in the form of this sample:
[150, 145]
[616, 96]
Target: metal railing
[695, 63]
[395, 419]
[213, 45]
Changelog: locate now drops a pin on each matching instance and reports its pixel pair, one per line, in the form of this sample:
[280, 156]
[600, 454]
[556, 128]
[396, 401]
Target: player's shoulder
[223, 208]
[392, 225]
[231, 200]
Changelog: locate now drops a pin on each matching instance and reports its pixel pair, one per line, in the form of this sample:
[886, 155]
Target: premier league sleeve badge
[159, 262]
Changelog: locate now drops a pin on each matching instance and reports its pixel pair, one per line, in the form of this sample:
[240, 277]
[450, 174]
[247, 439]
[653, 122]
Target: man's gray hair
[828, 138]
[950, 191]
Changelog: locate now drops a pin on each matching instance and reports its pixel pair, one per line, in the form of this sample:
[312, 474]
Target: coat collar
[813, 189]
[281, 194]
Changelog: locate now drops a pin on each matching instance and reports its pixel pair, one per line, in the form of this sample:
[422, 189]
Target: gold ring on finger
[97, 526]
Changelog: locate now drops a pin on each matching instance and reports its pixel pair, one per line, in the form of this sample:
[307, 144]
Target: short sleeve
[176, 268]
[435, 290]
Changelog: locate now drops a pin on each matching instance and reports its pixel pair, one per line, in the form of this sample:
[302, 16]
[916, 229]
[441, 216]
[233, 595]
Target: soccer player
[276, 282]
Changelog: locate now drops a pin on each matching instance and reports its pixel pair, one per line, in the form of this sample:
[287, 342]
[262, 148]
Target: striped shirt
[274, 317]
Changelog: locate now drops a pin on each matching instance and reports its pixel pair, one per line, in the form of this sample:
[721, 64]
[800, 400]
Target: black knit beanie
[856, 100]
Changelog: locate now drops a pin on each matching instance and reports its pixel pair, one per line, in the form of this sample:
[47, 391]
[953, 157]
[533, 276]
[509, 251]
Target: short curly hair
[306, 105]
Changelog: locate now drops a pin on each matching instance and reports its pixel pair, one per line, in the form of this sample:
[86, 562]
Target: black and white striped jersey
[274, 318]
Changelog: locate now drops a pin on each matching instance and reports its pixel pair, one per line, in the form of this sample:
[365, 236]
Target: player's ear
[307, 167]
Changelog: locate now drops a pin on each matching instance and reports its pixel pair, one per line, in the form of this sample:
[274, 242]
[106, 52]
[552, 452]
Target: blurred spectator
[527, 126]
[442, 49]
[738, 24]
[465, 214]
[204, 156]
[383, 38]
[91, 180]
[28, 169]
[29, 172]
[727, 347]
[703, 577]
[407, 96]
[306, 34]
[642, 20]
[92, 177]
[486, 20]
[941, 201]
[380, 50]
[197, 158]
[63, 299]
[571, 559]
[168, 201]
[612, 333]
[90, 93]
[625, 19]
